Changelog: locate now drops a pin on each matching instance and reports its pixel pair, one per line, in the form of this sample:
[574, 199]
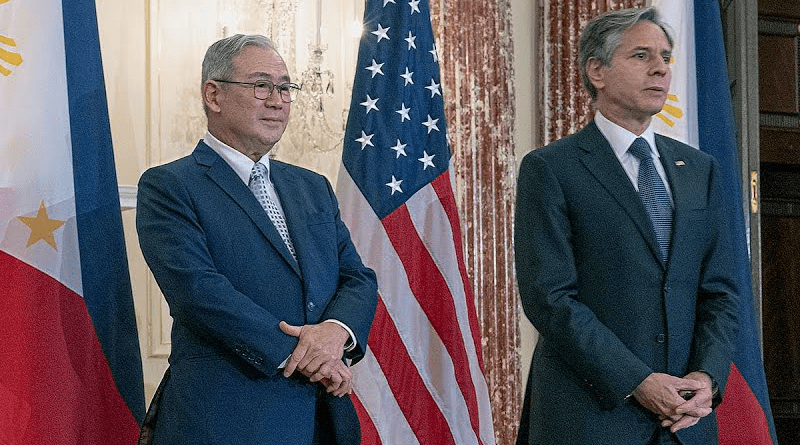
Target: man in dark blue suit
[623, 261]
[269, 298]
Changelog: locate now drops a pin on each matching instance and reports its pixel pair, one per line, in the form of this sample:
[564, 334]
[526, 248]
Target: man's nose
[660, 66]
[274, 100]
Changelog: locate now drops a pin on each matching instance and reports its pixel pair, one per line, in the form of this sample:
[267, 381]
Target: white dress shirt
[621, 139]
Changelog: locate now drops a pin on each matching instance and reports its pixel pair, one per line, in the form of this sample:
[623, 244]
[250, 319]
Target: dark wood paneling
[781, 309]
[778, 83]
[780, 145]
[789, 9]
[780, 209]
[781, 239]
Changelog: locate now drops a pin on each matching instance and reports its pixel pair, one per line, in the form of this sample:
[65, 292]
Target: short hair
[603, 34]
[218, 62]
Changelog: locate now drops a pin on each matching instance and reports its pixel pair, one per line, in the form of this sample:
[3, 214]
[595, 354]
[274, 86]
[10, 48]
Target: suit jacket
[229, 280]
[608, 309]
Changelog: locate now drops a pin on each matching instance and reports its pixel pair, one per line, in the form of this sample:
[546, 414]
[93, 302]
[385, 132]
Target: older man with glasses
[269, 297]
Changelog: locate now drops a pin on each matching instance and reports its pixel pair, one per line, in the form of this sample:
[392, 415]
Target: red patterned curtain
[476, 54]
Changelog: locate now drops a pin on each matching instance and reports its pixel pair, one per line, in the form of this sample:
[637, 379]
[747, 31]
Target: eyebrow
[650, 49]
[268, 76]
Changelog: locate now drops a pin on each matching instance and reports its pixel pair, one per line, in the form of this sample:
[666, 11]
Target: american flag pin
[680, 163]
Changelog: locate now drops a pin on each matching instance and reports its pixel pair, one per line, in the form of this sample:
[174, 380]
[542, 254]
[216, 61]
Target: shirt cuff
[350, 344]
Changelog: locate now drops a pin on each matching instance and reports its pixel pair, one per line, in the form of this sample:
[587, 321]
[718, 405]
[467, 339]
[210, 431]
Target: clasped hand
[318, 356]
[661, 394]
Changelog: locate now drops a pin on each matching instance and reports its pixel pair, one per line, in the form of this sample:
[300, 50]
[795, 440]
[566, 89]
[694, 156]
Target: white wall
[524, 28]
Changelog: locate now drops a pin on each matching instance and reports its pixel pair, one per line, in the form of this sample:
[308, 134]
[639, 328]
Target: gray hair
[603, 34]
[218, 62]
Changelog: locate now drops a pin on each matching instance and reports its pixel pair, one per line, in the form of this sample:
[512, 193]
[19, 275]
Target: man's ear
[211, 91]
[595, 73]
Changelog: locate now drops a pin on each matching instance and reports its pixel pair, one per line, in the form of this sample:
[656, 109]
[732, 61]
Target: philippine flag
[70, 370]
[699, 113]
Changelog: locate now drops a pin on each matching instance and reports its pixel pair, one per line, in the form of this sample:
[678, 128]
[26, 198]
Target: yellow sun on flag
[42, 227]
[7, 57]
[671, 110]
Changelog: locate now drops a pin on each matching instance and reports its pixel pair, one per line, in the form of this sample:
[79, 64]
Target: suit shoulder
[680, 147]
[298, 172]
[294, 169]
[173, 168]
[558, 149]
[685, 151]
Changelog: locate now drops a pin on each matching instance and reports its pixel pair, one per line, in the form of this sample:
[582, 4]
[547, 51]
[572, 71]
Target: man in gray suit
[623, 261]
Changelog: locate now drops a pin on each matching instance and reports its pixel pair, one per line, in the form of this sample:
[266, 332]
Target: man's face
[635, 86]
[252, 125]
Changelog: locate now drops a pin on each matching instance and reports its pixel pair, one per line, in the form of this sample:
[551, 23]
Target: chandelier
[310, 128]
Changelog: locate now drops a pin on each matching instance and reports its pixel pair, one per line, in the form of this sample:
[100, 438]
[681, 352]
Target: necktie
[258, 185]
[654, 195]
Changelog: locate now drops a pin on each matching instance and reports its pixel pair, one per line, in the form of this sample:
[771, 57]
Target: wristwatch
[715, 397]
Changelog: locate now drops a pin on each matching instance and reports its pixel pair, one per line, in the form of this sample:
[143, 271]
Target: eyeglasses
[264, 88]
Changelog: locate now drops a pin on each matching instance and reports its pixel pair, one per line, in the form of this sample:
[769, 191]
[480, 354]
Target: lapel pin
[680, 164]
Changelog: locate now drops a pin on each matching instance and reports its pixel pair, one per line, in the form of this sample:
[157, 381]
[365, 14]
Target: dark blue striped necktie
[654, 195]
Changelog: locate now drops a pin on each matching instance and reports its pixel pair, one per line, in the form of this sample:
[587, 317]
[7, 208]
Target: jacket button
[311, 306]
[661, 338]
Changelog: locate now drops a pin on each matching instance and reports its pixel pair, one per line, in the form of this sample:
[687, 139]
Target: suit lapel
[221, 174]
[286, 187]
[599, 159]
[681, 178]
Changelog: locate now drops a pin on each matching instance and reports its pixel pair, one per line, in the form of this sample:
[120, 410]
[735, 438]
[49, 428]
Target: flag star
[395, 185]
[403, 112]
[434, 53]
[410, 39]
[434, 88]
[431, 124]
[375, 68]
[386, 2]
[381, 32]
[407, 77]
[414, 6]
[400, 148]
[427, 160]
[42, 227]
[370, 104]
[365, 139]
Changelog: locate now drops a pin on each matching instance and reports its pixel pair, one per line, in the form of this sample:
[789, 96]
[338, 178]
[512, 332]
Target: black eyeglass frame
[284, 89]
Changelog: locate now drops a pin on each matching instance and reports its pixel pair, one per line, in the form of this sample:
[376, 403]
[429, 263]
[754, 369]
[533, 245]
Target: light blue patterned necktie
[258, 185]
[654, 195]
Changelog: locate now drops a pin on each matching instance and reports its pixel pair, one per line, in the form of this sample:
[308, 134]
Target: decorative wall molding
[127, 197]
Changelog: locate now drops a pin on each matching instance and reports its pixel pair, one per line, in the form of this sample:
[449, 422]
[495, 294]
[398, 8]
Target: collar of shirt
[241, 164]
[621, 139]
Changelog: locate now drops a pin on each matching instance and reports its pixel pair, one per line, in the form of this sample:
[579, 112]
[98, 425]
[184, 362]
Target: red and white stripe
[422, 379]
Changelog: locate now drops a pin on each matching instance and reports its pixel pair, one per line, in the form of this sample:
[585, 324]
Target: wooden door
[779, 64]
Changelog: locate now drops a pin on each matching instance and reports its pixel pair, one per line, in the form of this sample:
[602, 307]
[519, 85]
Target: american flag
[422, 380]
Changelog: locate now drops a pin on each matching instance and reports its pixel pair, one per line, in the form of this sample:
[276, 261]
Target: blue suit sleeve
[357, 293]
[547, 277]
[717, 300]
[175, 247]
